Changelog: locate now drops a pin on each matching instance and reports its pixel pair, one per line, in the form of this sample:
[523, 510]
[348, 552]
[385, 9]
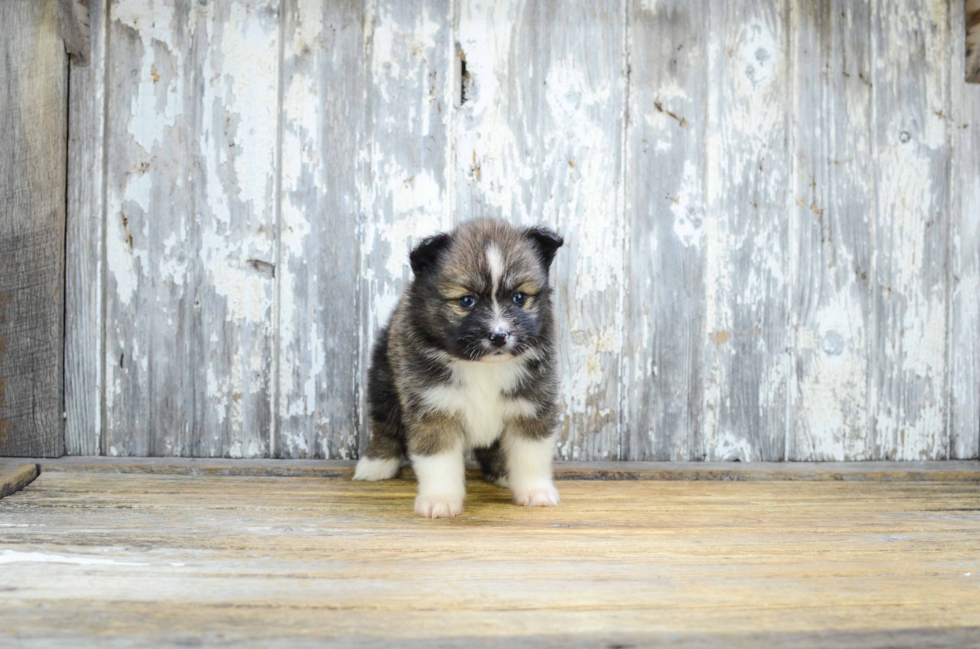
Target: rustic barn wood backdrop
[771, 208]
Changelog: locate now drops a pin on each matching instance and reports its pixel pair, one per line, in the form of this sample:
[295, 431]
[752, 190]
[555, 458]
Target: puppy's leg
[493, 463]
[435, 447]
[386, 449]
[382, 458]
[529, 452]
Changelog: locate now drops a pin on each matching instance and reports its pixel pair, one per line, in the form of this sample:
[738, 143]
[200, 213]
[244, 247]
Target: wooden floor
[146, 559]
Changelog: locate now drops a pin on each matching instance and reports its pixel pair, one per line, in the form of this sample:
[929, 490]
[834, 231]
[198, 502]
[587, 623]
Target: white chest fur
[476, 396]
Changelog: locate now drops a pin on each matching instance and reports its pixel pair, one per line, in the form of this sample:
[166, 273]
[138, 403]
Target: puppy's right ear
[426, 255]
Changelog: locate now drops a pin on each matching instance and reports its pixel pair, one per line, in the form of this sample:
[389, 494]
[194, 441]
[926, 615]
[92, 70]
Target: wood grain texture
[832, 212]
[406, 182]
[325, 79]
[963, 259]
[300, 559]
[15, 476]
[665, 192]
[74, 19]
[769, 210]
[190, 227]
[911, 152]
[33, 120]
[747, 359]
[84, 254]
[539, 139]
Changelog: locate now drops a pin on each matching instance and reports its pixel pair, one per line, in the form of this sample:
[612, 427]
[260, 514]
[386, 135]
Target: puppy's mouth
[484, 352]
[497, 356]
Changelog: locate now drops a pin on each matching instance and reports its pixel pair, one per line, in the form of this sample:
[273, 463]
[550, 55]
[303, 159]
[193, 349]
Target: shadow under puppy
[468, 361]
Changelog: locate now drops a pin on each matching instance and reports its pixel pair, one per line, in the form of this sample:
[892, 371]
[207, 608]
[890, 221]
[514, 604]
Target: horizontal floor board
[951, 471]
[152, 559]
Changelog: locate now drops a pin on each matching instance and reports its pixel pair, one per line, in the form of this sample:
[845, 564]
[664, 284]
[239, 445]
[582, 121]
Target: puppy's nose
[498, 338]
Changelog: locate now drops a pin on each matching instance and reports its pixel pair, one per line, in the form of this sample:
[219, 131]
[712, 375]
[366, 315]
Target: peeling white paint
[545, 147]
[13, 556]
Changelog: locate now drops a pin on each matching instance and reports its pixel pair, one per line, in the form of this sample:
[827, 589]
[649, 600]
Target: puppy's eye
[520, 299]
[467, 302]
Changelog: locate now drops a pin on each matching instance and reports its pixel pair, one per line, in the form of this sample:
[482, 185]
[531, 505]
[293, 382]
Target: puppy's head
[481, 292]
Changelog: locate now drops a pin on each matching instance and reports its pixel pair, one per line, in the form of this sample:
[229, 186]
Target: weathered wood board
[85, 250]
[190, 227]
[324, 78]
[747, 191]
[773, 248]
[14, 477]
[665, 203]
[406, 182]
[33, 140]
[910, 146]
[538, 139]
[832, 220]
[307, 561]
[963, 257]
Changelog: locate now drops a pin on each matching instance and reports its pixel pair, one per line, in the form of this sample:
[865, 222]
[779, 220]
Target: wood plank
[33, 120]
[15, 476]
[665, 193]
[946, 471]
[191, 230]
[539, 139]
[74, 19]
[910, 88]
[747, 320]
[964, 256]
[323, 113]
[405, 187]
[306, 559]
[84, 252]
[833, 187]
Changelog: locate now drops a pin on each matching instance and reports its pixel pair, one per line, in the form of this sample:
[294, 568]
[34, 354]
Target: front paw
[546, 496]
[438, 506]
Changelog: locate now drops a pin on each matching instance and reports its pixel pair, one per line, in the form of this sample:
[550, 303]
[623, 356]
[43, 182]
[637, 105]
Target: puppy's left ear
[426, 255]
[547, 242]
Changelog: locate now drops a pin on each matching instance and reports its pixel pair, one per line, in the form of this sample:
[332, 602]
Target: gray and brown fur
[431, 333]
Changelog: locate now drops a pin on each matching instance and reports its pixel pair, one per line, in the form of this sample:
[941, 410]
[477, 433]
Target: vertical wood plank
[833, 207]
[324, 77]
[190, 228]
[964, 251]
[747, 356]
[33, 121]
[911, 151]
[405, 188]
[84, 327]
[665, 201]
[539, 139]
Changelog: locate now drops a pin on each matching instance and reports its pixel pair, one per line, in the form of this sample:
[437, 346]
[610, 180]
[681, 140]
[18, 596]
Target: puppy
[468, 361]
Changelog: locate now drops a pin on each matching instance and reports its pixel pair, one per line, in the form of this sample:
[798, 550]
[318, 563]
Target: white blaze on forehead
[496, 263]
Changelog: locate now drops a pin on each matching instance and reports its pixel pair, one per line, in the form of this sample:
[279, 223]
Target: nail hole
[463, 76]
[262, 266]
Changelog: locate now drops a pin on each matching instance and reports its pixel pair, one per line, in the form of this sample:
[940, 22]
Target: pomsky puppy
[468, 361]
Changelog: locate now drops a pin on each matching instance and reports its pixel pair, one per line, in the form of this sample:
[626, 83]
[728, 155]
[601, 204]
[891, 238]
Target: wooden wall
[771, 208]
[33, 133]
